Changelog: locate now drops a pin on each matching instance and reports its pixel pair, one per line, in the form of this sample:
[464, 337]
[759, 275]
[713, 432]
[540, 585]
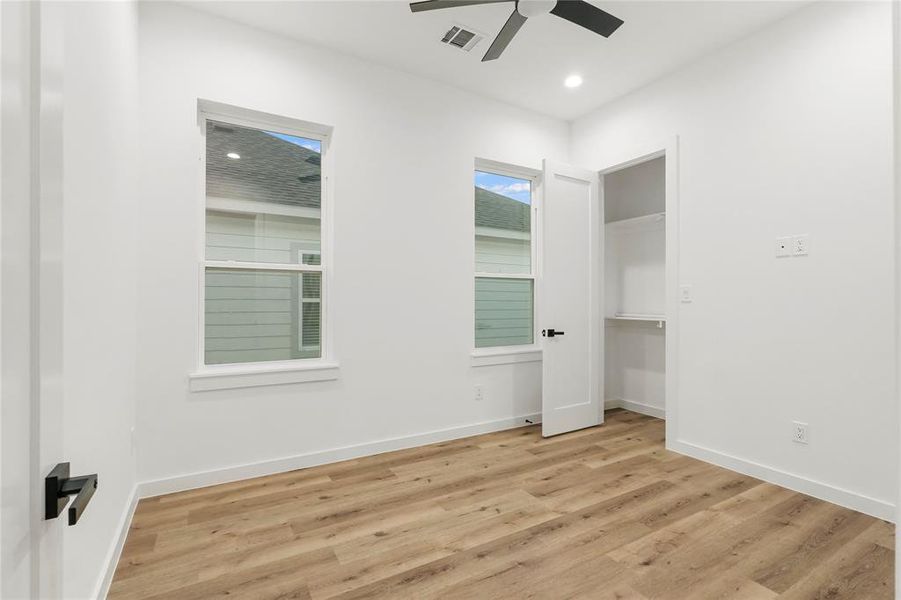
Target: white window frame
[501, 355]
[251, 374]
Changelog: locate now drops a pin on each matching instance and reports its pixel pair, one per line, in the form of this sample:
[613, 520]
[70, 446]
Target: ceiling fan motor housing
[535, 8]
[582, 13]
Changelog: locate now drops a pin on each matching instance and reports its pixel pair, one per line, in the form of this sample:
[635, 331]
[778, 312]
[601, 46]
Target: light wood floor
[600, 513]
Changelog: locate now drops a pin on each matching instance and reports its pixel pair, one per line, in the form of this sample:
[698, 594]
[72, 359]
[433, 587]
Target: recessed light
[233, 155]
[573, 81]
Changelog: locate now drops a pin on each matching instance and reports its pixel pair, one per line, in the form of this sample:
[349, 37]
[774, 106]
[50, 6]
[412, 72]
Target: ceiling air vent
[462, 38]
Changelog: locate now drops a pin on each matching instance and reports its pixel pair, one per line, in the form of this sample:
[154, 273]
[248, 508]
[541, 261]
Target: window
[504, 281]
[263, 264]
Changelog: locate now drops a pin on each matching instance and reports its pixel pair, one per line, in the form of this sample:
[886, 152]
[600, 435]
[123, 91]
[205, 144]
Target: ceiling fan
[575, 11]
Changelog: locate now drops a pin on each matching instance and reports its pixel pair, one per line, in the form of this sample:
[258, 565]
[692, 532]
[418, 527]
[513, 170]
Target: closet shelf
[642, 222]
[659, 319]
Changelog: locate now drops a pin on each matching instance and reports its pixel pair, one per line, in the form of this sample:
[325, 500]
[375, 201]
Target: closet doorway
[608, 299]
[640, 284]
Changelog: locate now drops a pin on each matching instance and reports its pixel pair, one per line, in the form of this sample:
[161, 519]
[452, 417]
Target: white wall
[99, 289]
[404, 151]
[786, 132]
[635, 366]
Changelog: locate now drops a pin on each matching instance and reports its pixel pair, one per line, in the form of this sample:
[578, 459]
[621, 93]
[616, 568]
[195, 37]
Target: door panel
[31, 288]
[571, 300]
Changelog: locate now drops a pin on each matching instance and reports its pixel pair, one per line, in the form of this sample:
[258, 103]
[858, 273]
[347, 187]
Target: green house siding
[265, 238]
[253, 316]
[503, 312]
[503, 255]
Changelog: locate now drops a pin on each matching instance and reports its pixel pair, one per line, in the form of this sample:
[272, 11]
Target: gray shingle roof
[273, 170]
[269, 170]
[501, 212]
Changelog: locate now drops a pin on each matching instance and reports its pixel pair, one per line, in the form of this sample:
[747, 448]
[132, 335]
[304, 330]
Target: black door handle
[551, 332]
[58, 486]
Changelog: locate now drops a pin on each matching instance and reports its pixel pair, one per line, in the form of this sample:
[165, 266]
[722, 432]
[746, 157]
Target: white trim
[870, 506]
[311, 459]
[640, 153]
[483, 275]
[506, 355]
[638, 407]
[246, 117]
[896, 18]
[256, 266]
[230, 376]
[115, 551]
[496, 167]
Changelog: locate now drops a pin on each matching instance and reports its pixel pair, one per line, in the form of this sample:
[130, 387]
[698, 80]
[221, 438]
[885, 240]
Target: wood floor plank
[861, 569]
[604, 512]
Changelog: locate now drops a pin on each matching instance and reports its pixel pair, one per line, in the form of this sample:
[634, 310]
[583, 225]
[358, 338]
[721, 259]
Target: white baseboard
[639, 407]
[190, 481]
[870, 506]
[115, 551]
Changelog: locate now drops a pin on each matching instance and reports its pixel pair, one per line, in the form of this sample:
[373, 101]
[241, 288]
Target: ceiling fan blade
[436, 4]
[503, 38]
[588, 16]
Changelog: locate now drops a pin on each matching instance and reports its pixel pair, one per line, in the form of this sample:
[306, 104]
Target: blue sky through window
[511, 187]
[314, 145]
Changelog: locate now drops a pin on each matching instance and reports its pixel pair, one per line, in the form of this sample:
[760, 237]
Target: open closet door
[571, 300]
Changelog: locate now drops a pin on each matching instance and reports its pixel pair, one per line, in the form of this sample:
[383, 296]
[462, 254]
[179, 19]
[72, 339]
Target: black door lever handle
[58, 486]
[551, 333]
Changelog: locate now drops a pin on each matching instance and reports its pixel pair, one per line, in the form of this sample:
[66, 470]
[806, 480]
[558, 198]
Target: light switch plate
[783, 247]
[685, 293]
[800, 245]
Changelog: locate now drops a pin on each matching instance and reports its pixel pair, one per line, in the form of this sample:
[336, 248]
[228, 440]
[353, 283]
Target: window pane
[503, 220]
[503, 312]
[254, 316]
[264, 194]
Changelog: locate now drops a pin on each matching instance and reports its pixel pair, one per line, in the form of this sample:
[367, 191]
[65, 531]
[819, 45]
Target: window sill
[242, 376]
[486, 357]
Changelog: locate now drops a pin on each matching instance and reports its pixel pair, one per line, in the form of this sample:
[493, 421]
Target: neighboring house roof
[500, 212]
[269, 170]
[273, 170]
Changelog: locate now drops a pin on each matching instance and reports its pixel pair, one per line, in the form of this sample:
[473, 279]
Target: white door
[571, 300]
[31, 438]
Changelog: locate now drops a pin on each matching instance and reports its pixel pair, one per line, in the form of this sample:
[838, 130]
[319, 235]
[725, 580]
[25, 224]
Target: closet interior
[635, 267]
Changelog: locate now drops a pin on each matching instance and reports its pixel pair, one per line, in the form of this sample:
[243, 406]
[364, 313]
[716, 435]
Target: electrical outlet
[800, 245]
[800, 434]
[479, 393]
[783, 247]
[685, 293]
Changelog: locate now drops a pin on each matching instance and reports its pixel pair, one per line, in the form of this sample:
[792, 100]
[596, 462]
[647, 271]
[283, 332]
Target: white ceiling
[657, 37]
